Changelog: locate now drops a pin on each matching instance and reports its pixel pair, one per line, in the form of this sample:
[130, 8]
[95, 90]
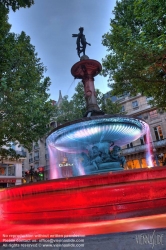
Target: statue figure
[81, 42]
[100, 159]
[115, 156]
[96, 157]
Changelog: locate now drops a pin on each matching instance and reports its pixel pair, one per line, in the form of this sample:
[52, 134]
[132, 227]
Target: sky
[51, 23]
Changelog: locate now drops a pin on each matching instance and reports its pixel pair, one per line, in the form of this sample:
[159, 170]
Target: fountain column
[86, 69]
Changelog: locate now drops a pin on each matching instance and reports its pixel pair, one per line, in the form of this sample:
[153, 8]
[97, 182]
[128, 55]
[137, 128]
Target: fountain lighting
[120, 130]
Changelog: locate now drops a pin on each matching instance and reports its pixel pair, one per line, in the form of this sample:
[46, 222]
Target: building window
[158, 133]
[122, 109]
[11, 170]
[47, 156]
[130, 145]
[36, 146]
[30, 158]
[36, 165]
[36, 156]
[53, 124]
[121, 97]
[135, 104]
[36, 153]
[149, 99]
[7, 170]
[153, 114]
[143, 140]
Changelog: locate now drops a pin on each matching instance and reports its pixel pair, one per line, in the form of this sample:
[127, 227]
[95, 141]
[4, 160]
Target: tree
[110, 107]
[64, 112]
[16, 4]
[24, 107]
[136, 43]
[78, 100]
[76, 107]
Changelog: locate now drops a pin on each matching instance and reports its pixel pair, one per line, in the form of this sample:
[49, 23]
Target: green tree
[136, 44]
[110, 107]
[24, 106]
[78, 100]
[76, 107]
[16, 4]
[64, 112]
[105, 105]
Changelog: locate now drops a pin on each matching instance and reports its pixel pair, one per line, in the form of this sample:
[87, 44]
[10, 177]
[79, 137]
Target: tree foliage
[24, 106]
[136, 44]
[76, 107]
[16, 4]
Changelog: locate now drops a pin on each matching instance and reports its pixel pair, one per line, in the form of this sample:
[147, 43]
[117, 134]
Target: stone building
[11, 168]
[134, 152]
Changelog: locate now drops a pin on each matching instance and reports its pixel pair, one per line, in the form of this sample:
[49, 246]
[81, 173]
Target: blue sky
[51, 23]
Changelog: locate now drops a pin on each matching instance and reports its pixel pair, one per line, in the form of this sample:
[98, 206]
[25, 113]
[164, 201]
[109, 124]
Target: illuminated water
[73, 145]
[149, 148]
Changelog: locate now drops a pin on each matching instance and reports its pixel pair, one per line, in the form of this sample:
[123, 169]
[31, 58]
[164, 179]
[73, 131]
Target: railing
[142, 148]
[160, 143]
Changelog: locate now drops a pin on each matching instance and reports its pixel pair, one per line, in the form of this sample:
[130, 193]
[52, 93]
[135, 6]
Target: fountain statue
[81, 42]
[91, 144]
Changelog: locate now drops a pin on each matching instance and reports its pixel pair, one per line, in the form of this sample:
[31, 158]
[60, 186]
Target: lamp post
[31, 171]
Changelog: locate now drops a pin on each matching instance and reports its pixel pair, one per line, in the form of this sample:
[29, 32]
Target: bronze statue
[81, 42]
[115, 156]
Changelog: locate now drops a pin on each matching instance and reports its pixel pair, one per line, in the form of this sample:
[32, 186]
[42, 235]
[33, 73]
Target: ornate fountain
[115, 201]
[92, 144]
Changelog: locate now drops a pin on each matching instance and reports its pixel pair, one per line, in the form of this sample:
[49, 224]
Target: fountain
[105, 199]
[92, 144]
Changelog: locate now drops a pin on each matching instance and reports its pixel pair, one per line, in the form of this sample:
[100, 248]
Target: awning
[7, 180]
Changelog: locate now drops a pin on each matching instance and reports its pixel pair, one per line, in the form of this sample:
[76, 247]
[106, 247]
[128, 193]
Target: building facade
[11, 169]
[135, 152]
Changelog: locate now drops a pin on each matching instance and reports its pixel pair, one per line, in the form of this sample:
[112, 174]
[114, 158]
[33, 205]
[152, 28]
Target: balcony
[161, 143]
[36, 158]
[142, 148]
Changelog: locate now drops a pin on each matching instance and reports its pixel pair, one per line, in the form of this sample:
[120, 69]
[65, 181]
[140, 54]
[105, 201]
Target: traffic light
[26, 173]
[41, 173]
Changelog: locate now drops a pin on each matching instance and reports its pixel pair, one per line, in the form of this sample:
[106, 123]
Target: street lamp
[31, 171]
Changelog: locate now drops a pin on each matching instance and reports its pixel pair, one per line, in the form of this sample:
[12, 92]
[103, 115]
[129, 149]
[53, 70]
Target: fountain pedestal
[86, 69]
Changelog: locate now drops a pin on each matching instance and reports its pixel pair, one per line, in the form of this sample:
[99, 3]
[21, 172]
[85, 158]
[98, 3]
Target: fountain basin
[79, 134]
[86, 143]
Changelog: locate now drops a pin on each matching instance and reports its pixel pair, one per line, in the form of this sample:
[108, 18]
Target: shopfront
[7, 175]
